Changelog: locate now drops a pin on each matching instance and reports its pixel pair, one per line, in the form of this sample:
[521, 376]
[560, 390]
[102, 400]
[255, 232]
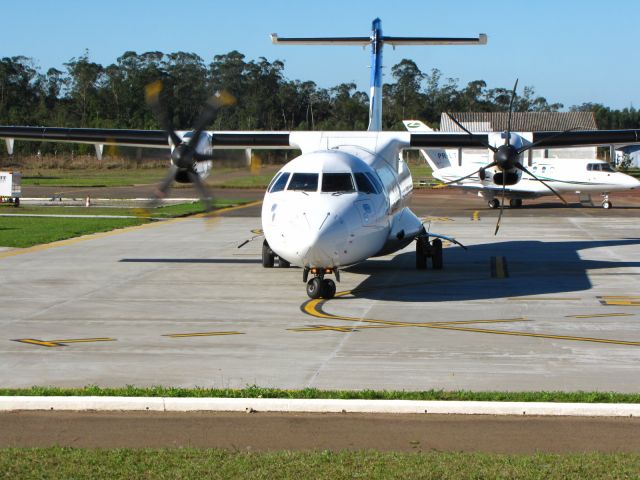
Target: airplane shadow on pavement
[531, 268]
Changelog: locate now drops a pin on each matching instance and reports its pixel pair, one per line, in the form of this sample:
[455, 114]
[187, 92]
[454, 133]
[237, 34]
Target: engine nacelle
[507, 178]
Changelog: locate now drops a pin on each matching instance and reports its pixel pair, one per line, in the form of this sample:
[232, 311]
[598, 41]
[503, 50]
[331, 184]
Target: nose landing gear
[318, 286]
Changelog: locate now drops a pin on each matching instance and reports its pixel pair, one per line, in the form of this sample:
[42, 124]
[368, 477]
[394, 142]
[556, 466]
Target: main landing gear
[269, 257]
[425, 250]
[318, 286]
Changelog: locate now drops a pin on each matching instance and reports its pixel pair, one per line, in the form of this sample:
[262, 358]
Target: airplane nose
[325, 239]
[321, 236]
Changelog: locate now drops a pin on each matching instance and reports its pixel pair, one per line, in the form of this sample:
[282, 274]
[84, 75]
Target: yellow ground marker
[201, 334]
[476, 216]
[61, 343]
[621, 300]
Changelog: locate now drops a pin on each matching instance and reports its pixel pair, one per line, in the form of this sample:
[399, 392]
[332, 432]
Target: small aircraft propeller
[506, 158]
[184, 156]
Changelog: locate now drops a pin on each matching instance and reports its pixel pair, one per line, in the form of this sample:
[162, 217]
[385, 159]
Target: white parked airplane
[345, 198]
[565, 175]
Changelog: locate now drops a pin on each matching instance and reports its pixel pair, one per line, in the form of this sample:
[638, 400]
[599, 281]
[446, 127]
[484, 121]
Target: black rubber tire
[421, 257]
[515, 203]
[328, 288]
[607, 205]
[314, 288]
[268, 257]
[436, 260]
[494, 203]
[282, 263]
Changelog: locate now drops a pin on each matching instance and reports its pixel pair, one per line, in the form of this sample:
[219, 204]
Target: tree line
[254, 95]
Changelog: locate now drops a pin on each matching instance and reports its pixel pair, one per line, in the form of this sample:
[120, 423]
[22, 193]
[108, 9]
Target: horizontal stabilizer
[358, 41]
[480, 40]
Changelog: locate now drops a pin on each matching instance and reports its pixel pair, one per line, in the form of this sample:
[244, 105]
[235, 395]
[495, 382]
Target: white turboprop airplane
[345, 198]
[565, 175]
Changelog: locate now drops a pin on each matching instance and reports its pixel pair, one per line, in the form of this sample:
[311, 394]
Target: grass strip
[261, 392]
[20, 232]
[28, 231]
[60, 462]
[166, 211]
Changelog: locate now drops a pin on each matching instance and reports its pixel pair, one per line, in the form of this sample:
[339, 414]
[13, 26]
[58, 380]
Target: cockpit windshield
[599, 167]
[305, 182]
[337, 182]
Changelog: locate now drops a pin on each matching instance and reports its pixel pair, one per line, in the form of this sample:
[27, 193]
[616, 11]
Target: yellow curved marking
[94, 236]
[314, 308]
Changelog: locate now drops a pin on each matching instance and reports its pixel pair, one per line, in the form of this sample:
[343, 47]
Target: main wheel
[607, 204]
[267, 255]
[421, 257]
[436, 260]
[314, 287]
[328, 288]
[282, 263]
[494, 203]
[515, 202]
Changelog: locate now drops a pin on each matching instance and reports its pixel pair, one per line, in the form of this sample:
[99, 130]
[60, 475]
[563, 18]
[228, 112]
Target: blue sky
[570, 51]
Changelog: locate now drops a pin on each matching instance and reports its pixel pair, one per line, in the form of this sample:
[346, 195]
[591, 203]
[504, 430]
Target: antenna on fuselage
[377, 40]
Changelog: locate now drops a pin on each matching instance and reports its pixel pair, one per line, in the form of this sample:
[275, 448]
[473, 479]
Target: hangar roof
[520, 121]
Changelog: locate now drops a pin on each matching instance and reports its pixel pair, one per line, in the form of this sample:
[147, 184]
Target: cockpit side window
[305, 182]
[364, 184]
[278, 183]
[607, 168]
[589, 166]
[375, 180]
[337, 182]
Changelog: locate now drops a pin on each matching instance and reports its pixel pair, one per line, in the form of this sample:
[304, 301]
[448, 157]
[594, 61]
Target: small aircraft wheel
[314, 287]
[515, 202]
[494, 203]
[282, 263]
[267, 255]
[436, 260]
[328, 288]
[607, 204]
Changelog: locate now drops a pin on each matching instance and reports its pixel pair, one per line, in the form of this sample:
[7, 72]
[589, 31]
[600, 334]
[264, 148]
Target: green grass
[248, 181]
[176, 210]
[58, 462]
[92, 178]
[260, 392]
[28, 231]
[119, 177]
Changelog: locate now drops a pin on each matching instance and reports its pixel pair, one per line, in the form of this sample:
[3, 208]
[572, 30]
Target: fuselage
[337, 207]
[564, 175]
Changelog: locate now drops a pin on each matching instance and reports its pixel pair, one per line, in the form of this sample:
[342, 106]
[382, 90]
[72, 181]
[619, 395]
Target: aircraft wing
[540, 139]
[142, 138]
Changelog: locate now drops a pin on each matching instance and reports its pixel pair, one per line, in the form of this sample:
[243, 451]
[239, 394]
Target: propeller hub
[506, 157]
[182, 156]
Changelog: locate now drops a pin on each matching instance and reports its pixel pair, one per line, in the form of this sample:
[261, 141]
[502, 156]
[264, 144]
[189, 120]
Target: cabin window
[364, 183]
[305, 182]
[279, 182]
[337, 182]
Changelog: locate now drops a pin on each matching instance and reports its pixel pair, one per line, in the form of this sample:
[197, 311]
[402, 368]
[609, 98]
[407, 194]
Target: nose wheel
[318, 286]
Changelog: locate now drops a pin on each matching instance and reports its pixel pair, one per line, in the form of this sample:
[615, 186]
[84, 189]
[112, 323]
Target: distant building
[483, 122]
